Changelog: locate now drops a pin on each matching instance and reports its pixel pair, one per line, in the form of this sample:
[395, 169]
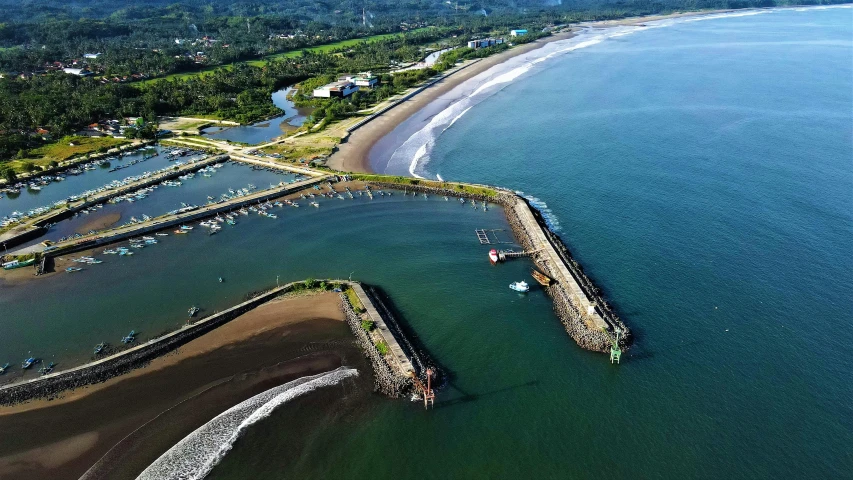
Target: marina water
[701, 174]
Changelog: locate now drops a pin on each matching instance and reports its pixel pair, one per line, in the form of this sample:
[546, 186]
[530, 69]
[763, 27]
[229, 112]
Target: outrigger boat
[73, 269]
[130, 338]
[193, 310]
[521, 286]
[99, 348]
[28, 363]
[47, 368]
[3, 369]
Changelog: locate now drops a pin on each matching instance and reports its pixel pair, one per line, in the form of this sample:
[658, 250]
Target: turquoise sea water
[700, 171]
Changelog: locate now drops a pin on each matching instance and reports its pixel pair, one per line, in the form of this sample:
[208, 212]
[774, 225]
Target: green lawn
[293, 53]
[73, 146]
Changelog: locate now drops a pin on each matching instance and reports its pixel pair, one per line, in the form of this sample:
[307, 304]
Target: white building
[91, 56]
[363, 79]
[340, 89]
[80, 72]
[517, 33]
[485, 42]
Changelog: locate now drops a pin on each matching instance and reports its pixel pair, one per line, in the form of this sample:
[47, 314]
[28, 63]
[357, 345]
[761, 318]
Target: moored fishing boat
[493, 256]
[521, 286]
[29, 362]
[130, 338]
[99, 348]
[18, 264]
[540, 277]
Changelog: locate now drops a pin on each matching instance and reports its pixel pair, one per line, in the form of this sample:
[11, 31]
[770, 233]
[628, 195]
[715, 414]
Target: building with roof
[363, 79]
[517, 33]
[339, 89]
[485, 42]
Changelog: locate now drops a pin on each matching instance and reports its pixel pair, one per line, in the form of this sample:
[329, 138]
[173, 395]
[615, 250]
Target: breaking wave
[547, 214]
[195, 456]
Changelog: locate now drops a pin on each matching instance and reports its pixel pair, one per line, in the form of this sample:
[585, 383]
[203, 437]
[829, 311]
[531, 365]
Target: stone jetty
[393, 373]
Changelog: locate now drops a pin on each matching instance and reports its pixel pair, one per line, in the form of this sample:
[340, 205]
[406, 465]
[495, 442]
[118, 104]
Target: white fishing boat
[521, 286]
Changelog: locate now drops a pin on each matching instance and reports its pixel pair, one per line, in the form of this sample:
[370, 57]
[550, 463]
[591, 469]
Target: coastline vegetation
[462, 188]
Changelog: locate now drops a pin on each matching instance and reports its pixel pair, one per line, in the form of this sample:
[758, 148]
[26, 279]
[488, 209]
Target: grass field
[63, 150]
[73, 146]
[293, 53]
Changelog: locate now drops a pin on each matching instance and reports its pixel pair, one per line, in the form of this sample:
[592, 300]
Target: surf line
[195, 456]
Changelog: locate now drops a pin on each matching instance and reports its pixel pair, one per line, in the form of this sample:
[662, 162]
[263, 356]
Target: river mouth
[265, 130]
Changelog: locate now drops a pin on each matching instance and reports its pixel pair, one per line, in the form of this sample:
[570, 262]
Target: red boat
[493, 256]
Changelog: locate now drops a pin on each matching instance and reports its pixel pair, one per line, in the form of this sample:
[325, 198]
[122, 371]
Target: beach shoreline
[353, 153]
[123, 424]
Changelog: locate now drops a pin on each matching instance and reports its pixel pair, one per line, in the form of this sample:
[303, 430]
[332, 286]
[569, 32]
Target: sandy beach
[352, 155]
[124, 424]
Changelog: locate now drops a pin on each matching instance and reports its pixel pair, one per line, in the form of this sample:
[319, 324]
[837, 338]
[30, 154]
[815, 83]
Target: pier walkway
[546, 253]
[23, 233]
[166, 221]
[403, 364]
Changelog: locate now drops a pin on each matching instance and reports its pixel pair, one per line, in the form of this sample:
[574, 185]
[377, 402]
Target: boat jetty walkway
[394, 372]
[169, 220]
[36, 227]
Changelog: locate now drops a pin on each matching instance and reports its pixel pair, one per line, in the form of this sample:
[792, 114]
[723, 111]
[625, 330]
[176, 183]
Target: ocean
[700, 171]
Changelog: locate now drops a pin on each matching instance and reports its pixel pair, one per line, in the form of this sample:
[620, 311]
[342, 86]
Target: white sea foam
[195, 456]
[547, 214]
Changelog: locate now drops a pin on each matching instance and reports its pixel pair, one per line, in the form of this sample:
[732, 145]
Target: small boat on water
[47, 368]
[130, 338]
[540, 277]
[493, 256]
[3, 369]
[162, 234]
[181, 232]
[145, 237]
[73, 269]
[28, 363]
[100, 348]
[193, 310]
[521, 286]
[315, 204]
[186, 227]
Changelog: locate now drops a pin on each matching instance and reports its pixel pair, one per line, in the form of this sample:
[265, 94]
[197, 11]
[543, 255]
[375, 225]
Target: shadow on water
[471, 397]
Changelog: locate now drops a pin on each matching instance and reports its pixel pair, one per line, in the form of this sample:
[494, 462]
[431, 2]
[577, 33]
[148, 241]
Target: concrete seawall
[388, 375]
[16, 237]
[585, 314]
[168, 221]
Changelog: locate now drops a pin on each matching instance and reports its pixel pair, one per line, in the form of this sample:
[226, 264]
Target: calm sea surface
[700, 171]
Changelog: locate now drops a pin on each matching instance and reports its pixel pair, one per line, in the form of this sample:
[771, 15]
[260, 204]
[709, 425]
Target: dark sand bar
[122, 425]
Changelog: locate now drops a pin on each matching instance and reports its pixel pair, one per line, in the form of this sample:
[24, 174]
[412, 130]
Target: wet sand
[99, 222]
[124, 424]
